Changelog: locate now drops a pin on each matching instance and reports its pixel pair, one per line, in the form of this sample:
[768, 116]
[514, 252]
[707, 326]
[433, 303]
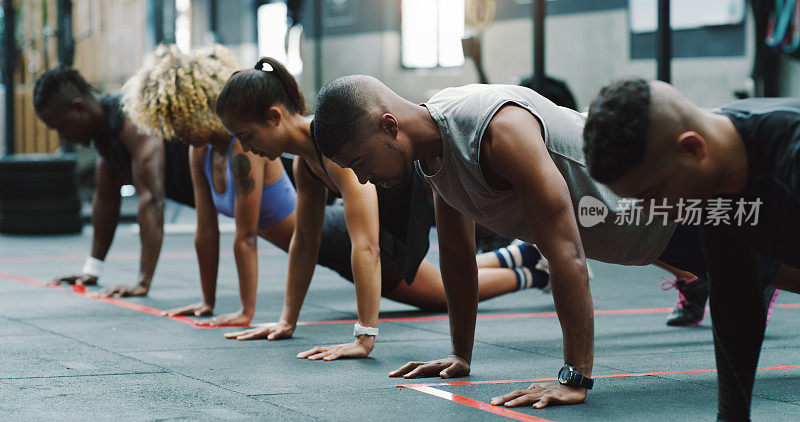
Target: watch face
[564, 375]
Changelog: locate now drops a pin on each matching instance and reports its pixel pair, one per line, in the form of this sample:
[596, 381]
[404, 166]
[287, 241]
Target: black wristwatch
[570, 376]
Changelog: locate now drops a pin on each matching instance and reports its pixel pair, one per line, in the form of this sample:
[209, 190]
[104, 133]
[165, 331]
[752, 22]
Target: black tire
[39, 195]
[70, 224]
[49, 205]
[42, 189]
[37, 163]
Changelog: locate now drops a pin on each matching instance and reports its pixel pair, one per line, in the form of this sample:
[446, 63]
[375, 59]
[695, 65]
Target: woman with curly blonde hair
[173, 95]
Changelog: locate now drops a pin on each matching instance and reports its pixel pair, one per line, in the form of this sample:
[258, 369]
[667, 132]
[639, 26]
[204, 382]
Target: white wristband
[93, 267]
[360, 330]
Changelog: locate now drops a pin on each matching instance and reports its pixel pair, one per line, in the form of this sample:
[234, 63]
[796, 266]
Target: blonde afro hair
[176, 93]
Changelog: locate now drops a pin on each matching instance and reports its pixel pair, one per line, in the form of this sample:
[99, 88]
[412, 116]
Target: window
[183, 25]
[276, 39]
[431, 32]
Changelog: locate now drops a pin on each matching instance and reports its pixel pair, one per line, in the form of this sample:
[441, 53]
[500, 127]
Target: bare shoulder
[512, 141]
[511, 123]
[197, 155]
[136, 139]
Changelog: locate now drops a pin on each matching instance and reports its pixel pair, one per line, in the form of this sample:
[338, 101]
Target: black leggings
[335, 250]
[738, 312]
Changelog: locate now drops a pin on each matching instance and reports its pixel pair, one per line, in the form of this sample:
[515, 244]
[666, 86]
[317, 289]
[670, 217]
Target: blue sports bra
[278, 200]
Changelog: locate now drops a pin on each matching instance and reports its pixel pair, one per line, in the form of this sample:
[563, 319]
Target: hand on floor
[235, 319]
[451, 367]
[274, 331]
[197, 309]
[542, 395]
[79, 279]
[356, 349]
[123, 290]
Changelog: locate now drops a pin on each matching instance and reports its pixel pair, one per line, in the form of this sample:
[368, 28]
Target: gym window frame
[437, 22]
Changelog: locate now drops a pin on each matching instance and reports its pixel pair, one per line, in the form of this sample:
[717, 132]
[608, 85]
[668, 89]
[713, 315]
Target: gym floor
[68, 356]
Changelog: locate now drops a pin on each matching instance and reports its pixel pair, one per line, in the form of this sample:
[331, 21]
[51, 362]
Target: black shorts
[335, 250]
[178, 179]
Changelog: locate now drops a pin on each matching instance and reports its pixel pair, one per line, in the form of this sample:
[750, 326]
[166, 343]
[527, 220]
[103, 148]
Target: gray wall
[587, 49]
[588, 44]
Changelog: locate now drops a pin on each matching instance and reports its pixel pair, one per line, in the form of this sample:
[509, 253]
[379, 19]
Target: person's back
[463, 114]
[770, 129]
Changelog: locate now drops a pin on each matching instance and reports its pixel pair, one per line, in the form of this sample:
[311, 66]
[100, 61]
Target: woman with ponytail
[384, 233]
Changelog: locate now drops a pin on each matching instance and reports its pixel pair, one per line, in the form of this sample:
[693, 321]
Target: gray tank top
[462, 115]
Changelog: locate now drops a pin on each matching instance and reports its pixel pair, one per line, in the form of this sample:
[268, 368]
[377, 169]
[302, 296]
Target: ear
[273, 116]
[389, 125]
[693, 143]
[78, 103]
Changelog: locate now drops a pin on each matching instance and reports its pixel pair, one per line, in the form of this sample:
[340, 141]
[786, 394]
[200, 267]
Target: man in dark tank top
[64, 101]
[646, 140]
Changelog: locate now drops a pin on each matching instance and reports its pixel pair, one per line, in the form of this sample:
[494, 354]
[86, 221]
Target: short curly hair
[176, 93]
[616, 130]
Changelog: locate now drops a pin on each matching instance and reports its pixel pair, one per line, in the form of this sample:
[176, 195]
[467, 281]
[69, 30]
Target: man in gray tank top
[509, 159]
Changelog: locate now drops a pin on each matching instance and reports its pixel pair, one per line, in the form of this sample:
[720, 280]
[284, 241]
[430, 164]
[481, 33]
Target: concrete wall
[586, 49]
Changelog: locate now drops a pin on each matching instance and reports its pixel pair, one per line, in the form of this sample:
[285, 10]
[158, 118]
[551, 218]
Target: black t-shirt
[178, 180]
[770, 128]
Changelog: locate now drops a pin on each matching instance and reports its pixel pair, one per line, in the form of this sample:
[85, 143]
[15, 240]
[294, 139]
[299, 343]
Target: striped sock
[527, 279]
[518, 255]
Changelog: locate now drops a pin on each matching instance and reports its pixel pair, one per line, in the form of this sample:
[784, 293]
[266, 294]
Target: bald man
[646, 140]
[509, 159]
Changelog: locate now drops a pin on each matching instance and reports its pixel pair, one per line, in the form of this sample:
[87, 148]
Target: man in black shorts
[646, 140]
[67, 103]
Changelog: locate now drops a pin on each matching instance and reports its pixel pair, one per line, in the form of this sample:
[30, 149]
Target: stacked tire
[39, 195]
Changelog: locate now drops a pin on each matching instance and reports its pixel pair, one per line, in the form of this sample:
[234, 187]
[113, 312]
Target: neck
[732, 159]
[300, 142]
[99, 116]
[426, 142]
[220, 141]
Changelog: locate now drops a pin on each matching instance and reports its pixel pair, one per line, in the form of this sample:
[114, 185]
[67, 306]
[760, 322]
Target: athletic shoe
[770, 295]
[691, 307]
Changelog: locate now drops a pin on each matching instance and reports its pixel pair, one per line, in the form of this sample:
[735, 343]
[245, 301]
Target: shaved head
[349, 109]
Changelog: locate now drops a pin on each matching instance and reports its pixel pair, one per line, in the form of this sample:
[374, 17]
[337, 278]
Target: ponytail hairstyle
[249, 93]
[57, 85]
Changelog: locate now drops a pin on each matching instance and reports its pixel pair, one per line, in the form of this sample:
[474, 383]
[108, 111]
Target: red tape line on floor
[118, 257]
[427, 388]
[486, 407]
[81, 291]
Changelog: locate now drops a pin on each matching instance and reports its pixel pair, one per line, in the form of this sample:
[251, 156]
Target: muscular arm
[147, 163]
[248, 179]
[361, 217]
[105, 216]
[148, 178]
[459, 274]
[105, 208]
[514, 152]
[739, 318]
[206, 238]
[460, 278]
[304, 246]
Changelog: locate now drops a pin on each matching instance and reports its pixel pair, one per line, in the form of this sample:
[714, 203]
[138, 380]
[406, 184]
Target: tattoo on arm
[241, 175]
